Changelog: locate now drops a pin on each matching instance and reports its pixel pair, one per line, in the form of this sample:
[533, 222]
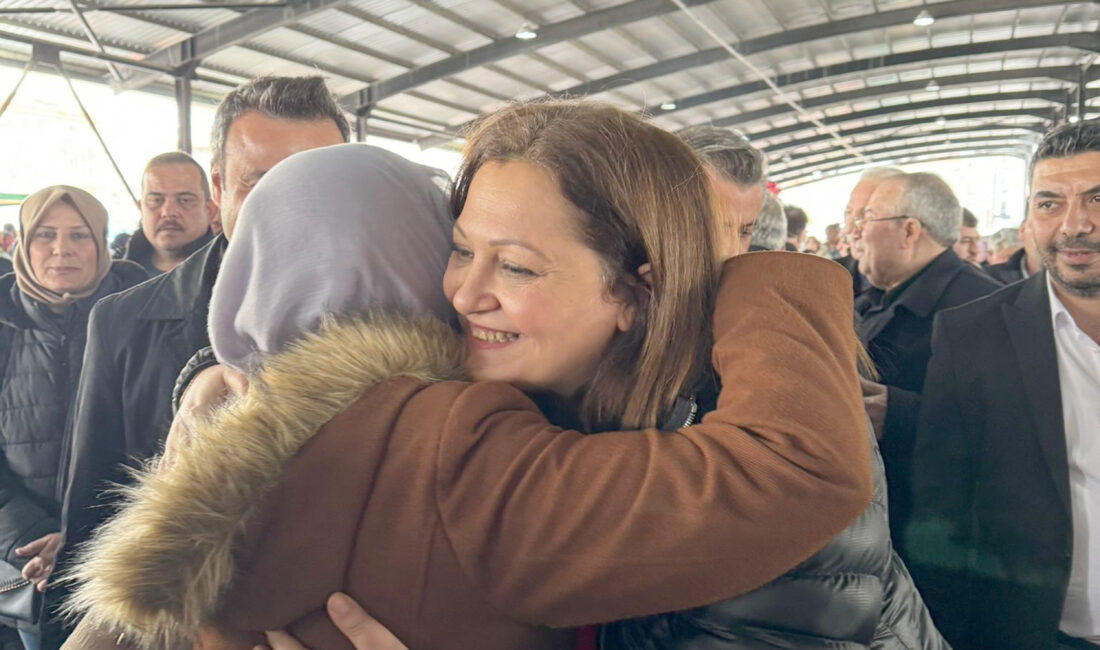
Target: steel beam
[1066, 73]
[1046, 116]
[507, 47]
[1085, 41]
[1089, 42]
[1049, 96]
[956, 133]
[232, 32]
[857, 167]
[895, 158]
[183, 112]
[911, 147]
[812, 33]
[902, 153]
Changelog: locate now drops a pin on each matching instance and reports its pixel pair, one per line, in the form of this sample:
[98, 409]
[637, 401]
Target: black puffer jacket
[853, 594]
[40, 359]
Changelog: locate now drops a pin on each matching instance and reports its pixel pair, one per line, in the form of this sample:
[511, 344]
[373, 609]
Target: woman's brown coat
[461, 519]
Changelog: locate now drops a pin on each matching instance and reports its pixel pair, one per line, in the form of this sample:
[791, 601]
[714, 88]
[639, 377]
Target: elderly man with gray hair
[738, 172]
[770, 232]
[906, 233]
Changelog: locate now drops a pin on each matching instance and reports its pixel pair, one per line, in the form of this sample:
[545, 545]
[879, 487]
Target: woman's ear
[637, 301]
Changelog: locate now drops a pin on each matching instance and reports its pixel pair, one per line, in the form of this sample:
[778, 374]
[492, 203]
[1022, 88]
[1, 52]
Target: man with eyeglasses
[176, 211]
[857, 201]
[905, 235]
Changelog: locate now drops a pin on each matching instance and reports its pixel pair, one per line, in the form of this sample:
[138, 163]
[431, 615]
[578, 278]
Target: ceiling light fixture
[668, 106]
[786, 158]
[941, 121]
[817, 173]
[1073, 119]
[924, 19]
[932, 86]
[526, 32]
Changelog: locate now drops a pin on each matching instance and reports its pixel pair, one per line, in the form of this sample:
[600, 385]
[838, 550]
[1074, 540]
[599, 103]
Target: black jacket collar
[140, 250]
[175, 294]
[920, 296]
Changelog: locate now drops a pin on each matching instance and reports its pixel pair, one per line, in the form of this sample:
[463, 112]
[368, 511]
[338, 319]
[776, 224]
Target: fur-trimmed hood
[158, 570]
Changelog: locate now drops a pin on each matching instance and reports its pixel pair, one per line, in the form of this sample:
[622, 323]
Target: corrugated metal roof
[433, 65]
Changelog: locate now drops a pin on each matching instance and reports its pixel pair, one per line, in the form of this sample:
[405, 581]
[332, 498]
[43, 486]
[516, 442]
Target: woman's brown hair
[645, 200]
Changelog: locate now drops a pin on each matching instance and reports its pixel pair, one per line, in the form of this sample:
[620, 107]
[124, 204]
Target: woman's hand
[210, 389]
[364, 632]
[43, 552]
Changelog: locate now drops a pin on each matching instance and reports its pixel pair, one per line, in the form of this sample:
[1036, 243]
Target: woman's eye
[515, 269]
[460, 252]
[43, 234]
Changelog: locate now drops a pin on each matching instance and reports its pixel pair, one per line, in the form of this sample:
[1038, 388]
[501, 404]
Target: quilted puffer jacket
[855, 593]
[40, 360]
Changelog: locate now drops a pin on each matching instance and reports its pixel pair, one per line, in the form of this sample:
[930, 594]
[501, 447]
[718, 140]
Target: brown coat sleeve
[563, 529]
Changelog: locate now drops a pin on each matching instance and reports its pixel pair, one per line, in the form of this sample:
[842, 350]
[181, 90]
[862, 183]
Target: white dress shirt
[1079, 377]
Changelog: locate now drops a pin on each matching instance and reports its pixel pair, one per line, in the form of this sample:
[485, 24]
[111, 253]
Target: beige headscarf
[32, 210]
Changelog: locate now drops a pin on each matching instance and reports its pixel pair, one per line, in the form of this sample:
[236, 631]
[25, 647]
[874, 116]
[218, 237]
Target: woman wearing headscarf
[454, 511]
[61, 268]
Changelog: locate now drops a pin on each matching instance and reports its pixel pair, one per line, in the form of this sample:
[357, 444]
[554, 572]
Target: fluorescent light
[941, 121]
[786, 158]
[924, 19]
[817, 173]
[1073, 119]
[526, 32]
[668, 106]
[932, 86]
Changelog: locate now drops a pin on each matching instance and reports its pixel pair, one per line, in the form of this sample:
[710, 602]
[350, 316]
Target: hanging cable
[88, 119]
[783, 96]
[11, 95]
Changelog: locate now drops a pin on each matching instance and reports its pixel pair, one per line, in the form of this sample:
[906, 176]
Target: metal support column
[1081, 95]
[1067, 107]
[361, 118]
[183, 112]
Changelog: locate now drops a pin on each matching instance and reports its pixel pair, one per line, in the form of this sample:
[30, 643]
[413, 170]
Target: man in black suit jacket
[1004, 540]
[1023, 264]
[906, 233]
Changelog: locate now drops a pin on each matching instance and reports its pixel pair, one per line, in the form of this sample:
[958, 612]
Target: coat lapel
[1029, 326]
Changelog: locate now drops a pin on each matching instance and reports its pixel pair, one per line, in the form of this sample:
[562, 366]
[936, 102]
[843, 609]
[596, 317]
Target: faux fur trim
[157, 571]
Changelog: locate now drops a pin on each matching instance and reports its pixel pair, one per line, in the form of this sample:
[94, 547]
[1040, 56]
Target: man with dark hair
[797, 220]
[176, 211]
[737, 171]
[968, 247]
[906, 231]
[139, 340]
[1005, 535]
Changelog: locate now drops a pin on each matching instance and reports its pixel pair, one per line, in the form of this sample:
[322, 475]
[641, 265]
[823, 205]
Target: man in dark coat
[1005, 536]
[139, 340]
[906, 232]
[176, 211]
[5, 266]
[1023, 264]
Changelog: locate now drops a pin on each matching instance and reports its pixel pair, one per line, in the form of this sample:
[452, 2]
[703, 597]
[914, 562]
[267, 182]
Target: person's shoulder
[969, 284]
[974, 315]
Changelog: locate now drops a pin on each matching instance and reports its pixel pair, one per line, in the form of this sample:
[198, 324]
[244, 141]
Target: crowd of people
[600, 390]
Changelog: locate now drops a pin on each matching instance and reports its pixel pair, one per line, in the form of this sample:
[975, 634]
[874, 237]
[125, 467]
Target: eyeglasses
[858, 222]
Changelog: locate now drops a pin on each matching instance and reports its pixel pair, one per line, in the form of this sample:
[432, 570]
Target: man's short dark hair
[1066, 141]
[796, 220]
[281, 98]
[177, 158]
[969, 220]
[728, 152]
